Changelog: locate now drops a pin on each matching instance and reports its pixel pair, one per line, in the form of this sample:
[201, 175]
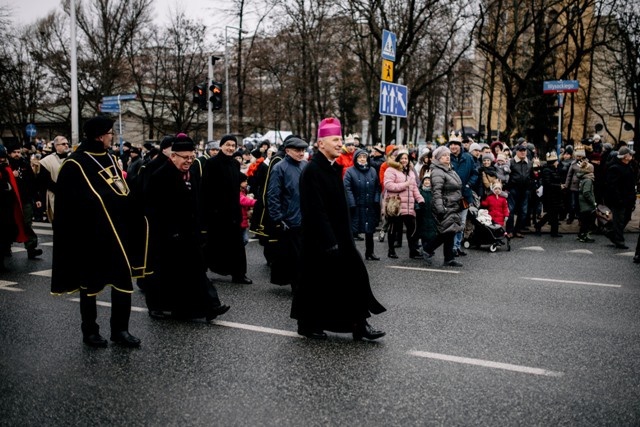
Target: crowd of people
[163, 216]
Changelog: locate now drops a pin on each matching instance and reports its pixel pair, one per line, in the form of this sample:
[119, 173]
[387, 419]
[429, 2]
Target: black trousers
[120, 312]
[396, 224]
[445, 239]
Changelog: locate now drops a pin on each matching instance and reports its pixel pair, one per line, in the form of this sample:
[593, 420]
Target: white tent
[276, 136]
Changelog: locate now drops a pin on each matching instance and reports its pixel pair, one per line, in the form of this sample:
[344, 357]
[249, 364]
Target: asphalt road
[546, 334]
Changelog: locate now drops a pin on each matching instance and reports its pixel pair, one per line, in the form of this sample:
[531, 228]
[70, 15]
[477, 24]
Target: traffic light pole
[209, 109]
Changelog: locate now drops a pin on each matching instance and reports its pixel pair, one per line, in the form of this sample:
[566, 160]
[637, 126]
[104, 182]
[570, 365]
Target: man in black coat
[334, 292]
[222, 218]
[98, 235]
[620, 195]
[179, 283]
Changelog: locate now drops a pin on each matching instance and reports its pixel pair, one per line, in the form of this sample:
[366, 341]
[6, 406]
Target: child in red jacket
[496, 204]
[247, 202]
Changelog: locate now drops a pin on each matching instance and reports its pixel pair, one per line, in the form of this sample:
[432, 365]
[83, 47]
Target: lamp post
[226, 69]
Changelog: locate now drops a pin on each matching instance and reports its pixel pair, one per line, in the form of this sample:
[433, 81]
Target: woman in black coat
[363, 194]
[552, 197]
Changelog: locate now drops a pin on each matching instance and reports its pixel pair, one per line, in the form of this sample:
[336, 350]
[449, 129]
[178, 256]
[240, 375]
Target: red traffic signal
[216, 95]
[199, 95]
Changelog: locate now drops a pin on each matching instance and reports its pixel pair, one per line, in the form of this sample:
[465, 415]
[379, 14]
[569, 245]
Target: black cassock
[178, 280]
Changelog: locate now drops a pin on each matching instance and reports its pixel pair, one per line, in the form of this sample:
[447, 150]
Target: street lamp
[226, 68]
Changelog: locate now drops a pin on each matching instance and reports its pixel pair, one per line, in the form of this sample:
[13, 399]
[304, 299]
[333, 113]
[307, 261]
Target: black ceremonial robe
[99, 239]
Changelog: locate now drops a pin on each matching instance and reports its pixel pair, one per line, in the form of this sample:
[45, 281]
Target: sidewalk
[632, 227]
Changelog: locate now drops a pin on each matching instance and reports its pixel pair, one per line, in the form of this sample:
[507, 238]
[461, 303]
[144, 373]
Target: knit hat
[440, 151]
[596, 137]
[502, 157]
[183, 143]
[389, 149]
[243, 177]
[520, 140]
[487, 156]
[552, 156]
[475, 146]
[569, 149]
[495, 185]
[13, 146]
[329, 127]
[167, 141]
[212, 145]
[226, 138]
[97, 126]
[379, 148]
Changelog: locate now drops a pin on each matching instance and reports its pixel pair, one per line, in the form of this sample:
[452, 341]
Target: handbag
[392, 206]
[603, 214]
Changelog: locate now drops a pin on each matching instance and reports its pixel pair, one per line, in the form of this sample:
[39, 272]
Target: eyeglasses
[62, 143]
[187, 158]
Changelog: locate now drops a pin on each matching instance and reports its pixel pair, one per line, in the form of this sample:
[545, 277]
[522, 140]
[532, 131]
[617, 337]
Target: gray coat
[446, 188]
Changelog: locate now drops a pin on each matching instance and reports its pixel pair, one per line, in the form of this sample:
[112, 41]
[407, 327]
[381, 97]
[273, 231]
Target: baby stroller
[482, 234]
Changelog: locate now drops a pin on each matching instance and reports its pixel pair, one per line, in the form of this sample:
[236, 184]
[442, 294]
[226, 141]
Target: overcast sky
[28, 11]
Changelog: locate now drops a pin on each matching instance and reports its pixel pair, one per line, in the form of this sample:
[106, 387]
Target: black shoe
[621, 246]
[538, 231]
[158, 314]
[358, 237]
[33, 253]
[244, 280]
[125, 339]
[372, 257]
[316, 334]
[636, 259]
[95, 340]
[366, 331]
[452, 263]
[392, 255]
[218, 311]
[415, 255]
[460, 252]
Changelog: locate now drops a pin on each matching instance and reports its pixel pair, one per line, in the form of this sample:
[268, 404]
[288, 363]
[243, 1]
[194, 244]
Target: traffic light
[200, 96]
[216, 95]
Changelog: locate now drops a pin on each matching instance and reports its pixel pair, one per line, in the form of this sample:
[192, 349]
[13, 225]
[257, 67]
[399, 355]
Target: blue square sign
[393, 99]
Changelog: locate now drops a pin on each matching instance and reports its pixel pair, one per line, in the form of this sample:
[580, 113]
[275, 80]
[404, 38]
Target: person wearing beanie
[334, 292]
[465, 165]
[210, 149]
[572, 183]
[49, 168]
[30, 196]
[346, 155]
[446, 193]
[587, 202]
[376, 158]
[225, 253]
[488, 174]
[363, 193]
[283, 205]
[400, 180]
[96, 221]
[552, 199]
[620, 194]
[179, 286]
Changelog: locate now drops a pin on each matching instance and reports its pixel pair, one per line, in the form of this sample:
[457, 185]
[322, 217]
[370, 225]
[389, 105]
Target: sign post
[112, 104]
[388, 94]
[560, 87]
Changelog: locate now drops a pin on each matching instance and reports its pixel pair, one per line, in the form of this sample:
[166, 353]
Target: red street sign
[560, 86]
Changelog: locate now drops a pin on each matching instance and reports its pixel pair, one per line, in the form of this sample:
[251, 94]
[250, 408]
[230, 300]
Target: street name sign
[560, 86]
[393, 99]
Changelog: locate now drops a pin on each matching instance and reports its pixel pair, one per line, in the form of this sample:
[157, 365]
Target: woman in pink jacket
[400, 180]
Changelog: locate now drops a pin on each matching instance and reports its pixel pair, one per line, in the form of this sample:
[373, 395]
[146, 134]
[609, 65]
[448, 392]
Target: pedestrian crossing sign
[388, 45]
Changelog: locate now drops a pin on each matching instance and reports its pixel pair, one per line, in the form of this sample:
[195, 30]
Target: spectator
[587, 201]
[49, 169]
[247, 202]
[552, 195]
[467, 169]
[426, 222]
[519, 188]
[496, 204]
[620, 195]
[446, 188]
[363, 194]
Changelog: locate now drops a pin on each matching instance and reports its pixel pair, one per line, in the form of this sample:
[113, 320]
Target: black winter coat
[446, 195]
[551, 178]
[363, 195]
[619, 184]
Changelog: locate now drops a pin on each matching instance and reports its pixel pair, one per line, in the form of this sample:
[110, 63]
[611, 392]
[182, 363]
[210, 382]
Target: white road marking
[5, 286]
[487, 363]
[533, 248]
[46, 244]
[581, 251]
[573, 282]
[16, 249]
[48, 232]
[426, 269]
[43, 273]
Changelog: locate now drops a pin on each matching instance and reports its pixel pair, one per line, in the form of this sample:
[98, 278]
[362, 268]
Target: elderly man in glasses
[48, 175]
[179, 285]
